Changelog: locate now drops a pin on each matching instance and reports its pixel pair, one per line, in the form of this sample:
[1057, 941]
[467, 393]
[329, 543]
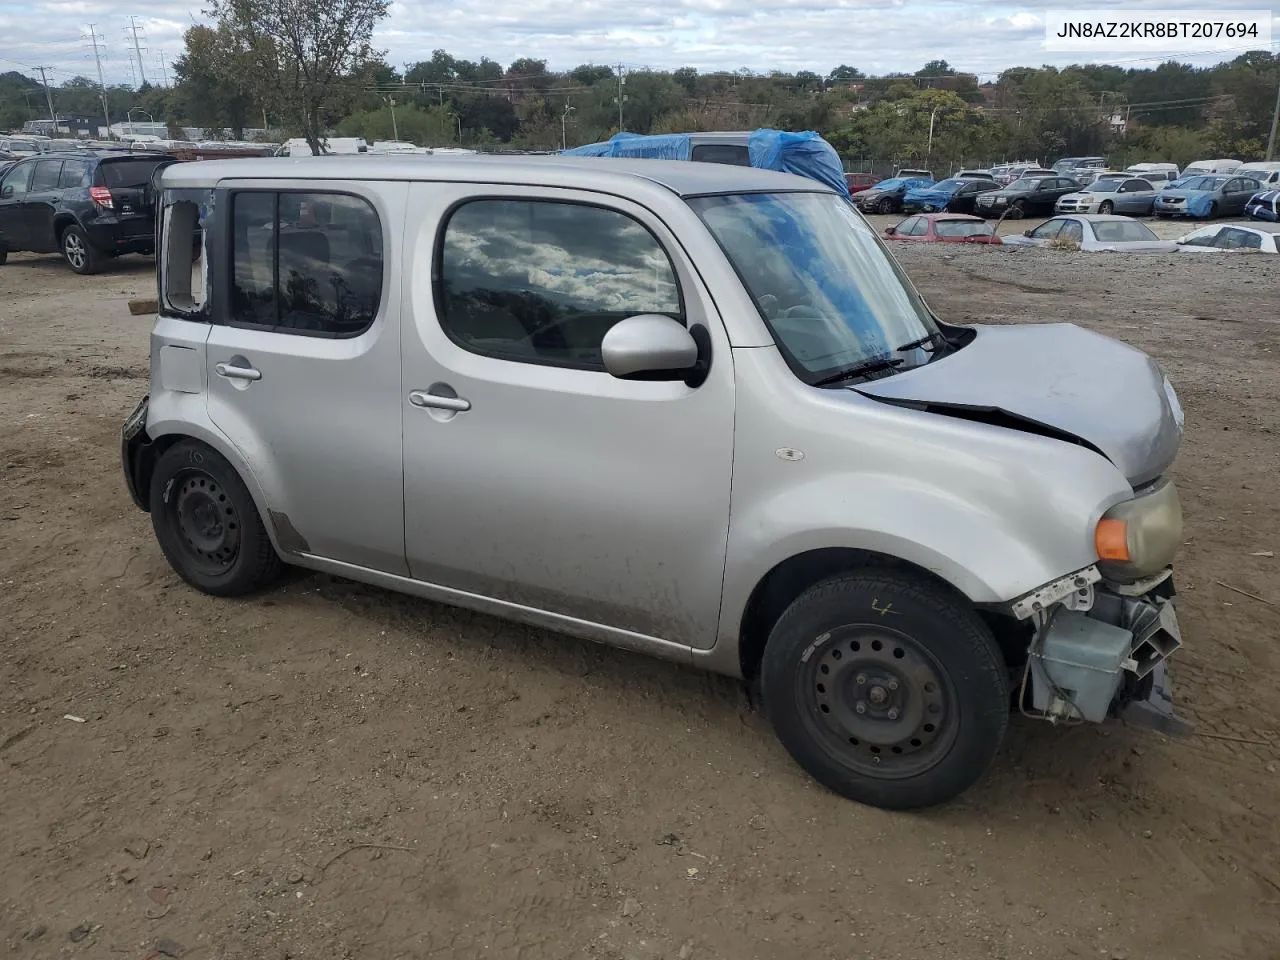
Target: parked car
[911, 172]
[887, 195]
[90, 206]
[1006, 173]
[1070, 166]
[1024, 197]
[1111, 195]
[1238, 237]
[25, 146]
[956, 195]
[1266, 172]
[943, 228]
[1208, 167]
[329, 146]
[1264, 206]
[1209, 197]
[903, 490]
[1157, 174]
[974, 175]
[1095, 233]
[860, 181]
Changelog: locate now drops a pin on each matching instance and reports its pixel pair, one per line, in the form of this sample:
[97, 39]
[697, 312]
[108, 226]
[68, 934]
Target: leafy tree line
[307, 67]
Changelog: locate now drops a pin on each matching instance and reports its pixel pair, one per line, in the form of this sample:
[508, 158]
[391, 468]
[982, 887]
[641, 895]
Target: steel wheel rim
[207, 523]
[74, 250]
[878, 702]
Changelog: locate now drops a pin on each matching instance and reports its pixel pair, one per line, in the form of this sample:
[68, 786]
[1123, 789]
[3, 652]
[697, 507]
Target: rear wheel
[207, 523]
[886, 689]
[79, 253]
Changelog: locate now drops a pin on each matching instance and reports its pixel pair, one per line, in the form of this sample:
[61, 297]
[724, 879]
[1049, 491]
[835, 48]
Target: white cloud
[975, 35]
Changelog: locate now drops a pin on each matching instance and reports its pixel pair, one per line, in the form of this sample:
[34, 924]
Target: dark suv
[89, 206]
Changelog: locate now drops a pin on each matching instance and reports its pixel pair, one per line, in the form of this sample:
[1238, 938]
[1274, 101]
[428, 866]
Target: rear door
[303, 369]
[129, 180]
[39, 205]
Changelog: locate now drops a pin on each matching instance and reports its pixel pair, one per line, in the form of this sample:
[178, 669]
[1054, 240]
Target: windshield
[128, 173]
[826, 286]
[891, 184]
[1121, 231]
[1023, 185]
[1201, 183]
[962, 228]
[949, 186]
[1104, 186]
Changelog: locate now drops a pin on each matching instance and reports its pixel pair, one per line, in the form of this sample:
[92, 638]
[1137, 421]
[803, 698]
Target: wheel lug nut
[893, 714]
[861, 678]
[892, 684]
[860, 707]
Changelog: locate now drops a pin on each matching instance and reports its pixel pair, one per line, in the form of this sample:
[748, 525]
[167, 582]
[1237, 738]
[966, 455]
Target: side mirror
[1026, 233]
[890, 231]
[649, 346]
[6, 193]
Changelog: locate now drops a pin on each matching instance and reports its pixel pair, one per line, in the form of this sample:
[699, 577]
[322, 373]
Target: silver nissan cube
[688, 409]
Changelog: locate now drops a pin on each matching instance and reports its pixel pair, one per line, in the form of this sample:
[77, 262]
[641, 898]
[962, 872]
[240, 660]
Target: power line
[48, 96]
[142, 75]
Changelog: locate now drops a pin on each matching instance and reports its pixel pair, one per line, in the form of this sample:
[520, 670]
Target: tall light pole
[622, 97]
[128, 115]
[929, 149]
[564, 140]
[395, 131]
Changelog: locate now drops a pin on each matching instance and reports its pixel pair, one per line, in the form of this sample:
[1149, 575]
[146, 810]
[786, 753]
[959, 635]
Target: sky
[876, 36]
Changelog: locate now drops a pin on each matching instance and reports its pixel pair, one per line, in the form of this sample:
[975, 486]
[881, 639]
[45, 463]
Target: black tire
[4, 256]
[884, 205]
[1106, 206]
[79, 252]
[1016, 211]
[1213, 210]
[207, 524]
[828, 684]
[1164, 216]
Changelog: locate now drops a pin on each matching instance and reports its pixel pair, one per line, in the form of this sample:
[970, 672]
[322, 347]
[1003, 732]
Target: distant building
[64, 127]
[137, 128]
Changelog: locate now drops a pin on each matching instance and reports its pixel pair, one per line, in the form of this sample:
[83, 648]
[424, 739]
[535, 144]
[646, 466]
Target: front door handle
[236, 373]
[420, 398]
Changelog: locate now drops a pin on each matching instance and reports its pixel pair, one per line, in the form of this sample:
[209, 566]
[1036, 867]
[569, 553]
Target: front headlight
[1137, 538]
[1172, 396]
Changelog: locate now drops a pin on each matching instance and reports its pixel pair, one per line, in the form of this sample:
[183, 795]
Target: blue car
[1264, 206]
[1219, 195]
[956, 195]
[886, 196]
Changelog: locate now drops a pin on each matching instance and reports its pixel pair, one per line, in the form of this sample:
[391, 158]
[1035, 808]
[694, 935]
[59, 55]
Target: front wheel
[1016, 211]
[1106, 207]
[79, 253]
[884, 206]
[207, 523]
[886, 689]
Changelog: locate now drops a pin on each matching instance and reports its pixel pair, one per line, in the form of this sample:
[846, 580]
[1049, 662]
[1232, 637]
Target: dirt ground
[333, 771]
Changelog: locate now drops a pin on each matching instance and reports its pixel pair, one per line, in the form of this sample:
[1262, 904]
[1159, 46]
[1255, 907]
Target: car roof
[1254, 225]
[949, 216]
[1094, 217]
[682, 177]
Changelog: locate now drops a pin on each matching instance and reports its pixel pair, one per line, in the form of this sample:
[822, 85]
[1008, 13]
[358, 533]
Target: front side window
[1072, 232]
[962, 228]
[828, 289]
[1047, 230]
[16, 182]
[541, 281]
[305, 263]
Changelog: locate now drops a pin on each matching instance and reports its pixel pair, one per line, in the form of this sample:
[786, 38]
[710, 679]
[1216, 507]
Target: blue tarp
[805, 154]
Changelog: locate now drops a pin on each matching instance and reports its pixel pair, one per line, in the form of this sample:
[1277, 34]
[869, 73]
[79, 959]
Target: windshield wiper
[874, 365]
[936, 338]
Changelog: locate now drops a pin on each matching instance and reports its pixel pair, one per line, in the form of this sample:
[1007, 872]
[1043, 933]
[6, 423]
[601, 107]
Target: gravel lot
[330, 770]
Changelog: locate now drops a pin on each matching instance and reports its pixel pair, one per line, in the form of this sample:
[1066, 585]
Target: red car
[861, 181]
[943, 228]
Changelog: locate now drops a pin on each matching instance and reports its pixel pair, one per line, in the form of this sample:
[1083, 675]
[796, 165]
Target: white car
[1096, 233]
[1240, 237]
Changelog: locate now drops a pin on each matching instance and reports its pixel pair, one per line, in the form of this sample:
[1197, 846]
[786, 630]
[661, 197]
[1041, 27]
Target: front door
[303, 367]
[532, 476]
[13, 194]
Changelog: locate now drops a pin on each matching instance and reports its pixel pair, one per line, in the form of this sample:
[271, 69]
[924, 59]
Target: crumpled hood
[1056, 376]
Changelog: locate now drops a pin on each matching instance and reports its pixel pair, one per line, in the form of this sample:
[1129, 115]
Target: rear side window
[46, 176]
[127, 173]
[543, 281]
[305, 263]
[75, 173]
[730, 153]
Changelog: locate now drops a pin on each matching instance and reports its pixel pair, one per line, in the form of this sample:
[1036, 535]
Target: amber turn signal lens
[1112, 540]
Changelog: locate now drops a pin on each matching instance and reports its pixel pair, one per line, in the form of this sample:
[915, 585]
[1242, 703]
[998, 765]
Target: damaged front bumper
[1099, 650]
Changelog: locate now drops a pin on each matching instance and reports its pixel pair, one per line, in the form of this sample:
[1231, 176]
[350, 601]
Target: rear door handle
[420, 398]
[236, 373]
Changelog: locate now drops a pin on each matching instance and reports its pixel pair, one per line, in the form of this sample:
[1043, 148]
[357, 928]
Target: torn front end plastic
[1099, 650]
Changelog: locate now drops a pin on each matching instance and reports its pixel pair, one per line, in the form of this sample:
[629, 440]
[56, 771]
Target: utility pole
[48, 96]
[564, 140]
[1275, 121]
[164, 68]
[622, 98]
[395, 131]
[133, 23]
[94, 37]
